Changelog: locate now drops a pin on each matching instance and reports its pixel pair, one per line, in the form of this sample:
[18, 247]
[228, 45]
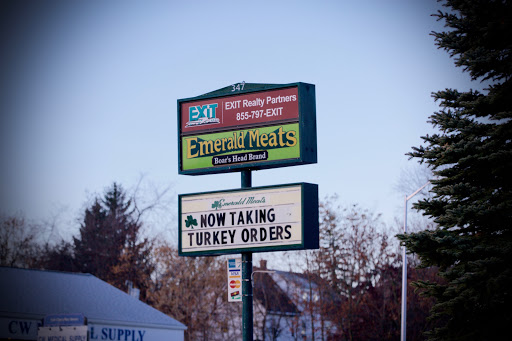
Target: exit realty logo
[202, 114]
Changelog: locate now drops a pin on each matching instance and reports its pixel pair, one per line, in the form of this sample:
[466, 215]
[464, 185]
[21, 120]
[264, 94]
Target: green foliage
[471, 158]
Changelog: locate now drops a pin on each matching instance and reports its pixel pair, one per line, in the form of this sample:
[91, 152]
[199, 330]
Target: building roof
[33, 294]
[271, 295]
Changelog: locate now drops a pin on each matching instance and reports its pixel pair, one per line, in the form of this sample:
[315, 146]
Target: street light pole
[404, 268]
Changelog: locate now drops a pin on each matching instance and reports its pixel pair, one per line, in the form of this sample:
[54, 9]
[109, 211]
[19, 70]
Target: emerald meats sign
[273, 218]
[252, 126]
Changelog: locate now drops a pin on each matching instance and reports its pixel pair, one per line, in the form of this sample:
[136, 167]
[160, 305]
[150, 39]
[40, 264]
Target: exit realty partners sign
[247, 126]
[257, 219]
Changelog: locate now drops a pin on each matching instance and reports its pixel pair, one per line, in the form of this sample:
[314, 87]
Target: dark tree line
[354, 278]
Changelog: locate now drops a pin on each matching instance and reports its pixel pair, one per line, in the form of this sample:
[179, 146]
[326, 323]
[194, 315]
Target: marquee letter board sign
[257, 219]
[251, 126]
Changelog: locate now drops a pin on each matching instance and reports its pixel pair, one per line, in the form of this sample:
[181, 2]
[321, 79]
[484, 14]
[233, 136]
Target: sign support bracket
[247, 299]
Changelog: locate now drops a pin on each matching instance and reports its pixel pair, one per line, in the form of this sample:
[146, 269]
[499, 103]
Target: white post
[404, 281]
[404, 269]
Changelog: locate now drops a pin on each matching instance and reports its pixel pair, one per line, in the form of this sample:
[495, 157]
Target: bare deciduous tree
[18, 242]
[354, 250]
[193, 291]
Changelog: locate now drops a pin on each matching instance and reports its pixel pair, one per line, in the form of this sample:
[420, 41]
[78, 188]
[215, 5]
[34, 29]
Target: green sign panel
[272, 143]
[247, 126]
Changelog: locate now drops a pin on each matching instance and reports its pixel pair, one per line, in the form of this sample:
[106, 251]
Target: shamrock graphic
[191, 222]
[216, 204]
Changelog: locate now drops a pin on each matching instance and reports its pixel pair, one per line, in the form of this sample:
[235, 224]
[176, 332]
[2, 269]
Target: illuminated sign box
[256, 126]
[257, 219]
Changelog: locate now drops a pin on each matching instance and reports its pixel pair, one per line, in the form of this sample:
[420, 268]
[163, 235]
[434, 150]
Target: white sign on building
[66, 333]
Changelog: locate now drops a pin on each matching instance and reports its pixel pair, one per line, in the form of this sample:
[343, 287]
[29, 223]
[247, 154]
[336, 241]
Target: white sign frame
[257, 219]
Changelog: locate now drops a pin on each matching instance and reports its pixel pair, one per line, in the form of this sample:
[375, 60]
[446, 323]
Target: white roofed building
[27, 296]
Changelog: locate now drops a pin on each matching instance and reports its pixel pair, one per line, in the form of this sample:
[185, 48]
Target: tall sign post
[247, 309]
[245, 127]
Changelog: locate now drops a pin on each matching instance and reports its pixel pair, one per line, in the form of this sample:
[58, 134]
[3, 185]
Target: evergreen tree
[110, 245]
[471, 157]
[93, 253]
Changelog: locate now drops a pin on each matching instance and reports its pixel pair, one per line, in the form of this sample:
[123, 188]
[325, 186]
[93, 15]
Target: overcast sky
[89, 91]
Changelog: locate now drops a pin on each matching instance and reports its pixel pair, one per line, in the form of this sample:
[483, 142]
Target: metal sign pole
[247, 311]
